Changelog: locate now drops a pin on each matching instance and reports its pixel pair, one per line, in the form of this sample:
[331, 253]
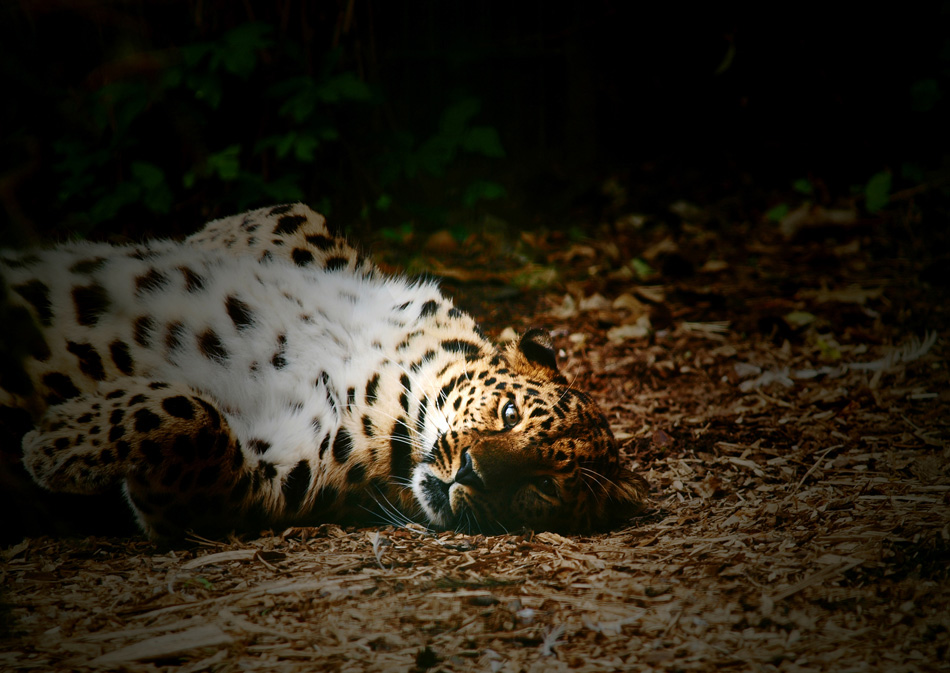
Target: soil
[782, 386]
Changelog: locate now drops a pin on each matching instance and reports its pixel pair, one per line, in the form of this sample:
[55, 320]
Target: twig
[813, 468]
[767, 398]
[817, 578]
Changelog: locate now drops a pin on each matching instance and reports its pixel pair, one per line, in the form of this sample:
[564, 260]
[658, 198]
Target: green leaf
[803, 186]
[192, 54]
[829, 351]
[297, 94]
[776, 213]
[79, 165]
[383, 202]
[435, 154]
[284, 144]
[456, 116]
[172, 77]
[641, 268]
[244, 43]
[225, 164]
[154, 191]
[206, 87]
[482, 189]
[285, 189]
[325, 133]
[147, 174]
[483, 140]
[237, 49]
[120, 104]
[397, 234]
[536, 277]
[300, 106]
[206, 583]
[323, 205]
[799, 318]
[877, 192]
[343, 87]
[251, 189]
[109, 205]
[305, 148]
[578, 233]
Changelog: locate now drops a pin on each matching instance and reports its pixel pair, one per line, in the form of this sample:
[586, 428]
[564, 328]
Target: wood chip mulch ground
[788, 402]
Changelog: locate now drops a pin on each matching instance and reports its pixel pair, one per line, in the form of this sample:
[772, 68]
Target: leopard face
[524, 450]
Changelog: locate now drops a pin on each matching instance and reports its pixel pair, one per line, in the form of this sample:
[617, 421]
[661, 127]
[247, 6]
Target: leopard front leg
[182, 467]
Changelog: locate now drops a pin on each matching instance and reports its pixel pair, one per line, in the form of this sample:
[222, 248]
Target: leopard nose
[466, 474]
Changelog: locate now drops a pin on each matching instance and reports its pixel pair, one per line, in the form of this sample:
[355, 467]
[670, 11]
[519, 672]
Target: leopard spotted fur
[262, 373]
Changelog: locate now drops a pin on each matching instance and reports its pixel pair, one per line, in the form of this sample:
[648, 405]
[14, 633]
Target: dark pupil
[510, 414]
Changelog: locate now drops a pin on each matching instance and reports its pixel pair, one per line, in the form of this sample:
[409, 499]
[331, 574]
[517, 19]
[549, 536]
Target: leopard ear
[536, 351]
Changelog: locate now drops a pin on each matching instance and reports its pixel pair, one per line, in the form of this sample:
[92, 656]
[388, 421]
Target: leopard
[264, 373]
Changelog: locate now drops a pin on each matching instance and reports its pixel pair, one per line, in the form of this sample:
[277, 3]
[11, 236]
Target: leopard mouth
[447, 503]
[436, 497]
[433, 493]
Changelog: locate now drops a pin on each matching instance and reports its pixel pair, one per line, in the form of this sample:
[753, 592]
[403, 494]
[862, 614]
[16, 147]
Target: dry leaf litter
[799, 520]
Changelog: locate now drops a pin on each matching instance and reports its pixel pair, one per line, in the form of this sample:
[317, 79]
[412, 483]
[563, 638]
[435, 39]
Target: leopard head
[525, 449]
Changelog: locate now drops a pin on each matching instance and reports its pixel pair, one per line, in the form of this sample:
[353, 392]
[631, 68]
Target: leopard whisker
[415, 443]
[593, 476]
[569, 386]
[389, 512]
[400, 481]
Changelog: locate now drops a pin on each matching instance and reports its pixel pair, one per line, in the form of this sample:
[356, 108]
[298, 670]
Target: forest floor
[783, 387]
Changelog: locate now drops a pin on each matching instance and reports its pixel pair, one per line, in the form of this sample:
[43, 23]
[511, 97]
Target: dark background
[126, 118]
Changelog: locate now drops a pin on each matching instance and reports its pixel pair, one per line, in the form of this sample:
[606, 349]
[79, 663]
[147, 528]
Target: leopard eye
[547, 486]
[510, 415]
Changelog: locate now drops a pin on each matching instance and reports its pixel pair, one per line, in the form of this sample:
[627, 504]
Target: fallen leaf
[595, 302]
[809, 215]
[853, 294]
[714, 266]
[640, 329]
[630, 303]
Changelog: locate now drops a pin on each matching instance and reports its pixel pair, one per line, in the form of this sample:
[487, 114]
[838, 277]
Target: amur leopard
[263, 373]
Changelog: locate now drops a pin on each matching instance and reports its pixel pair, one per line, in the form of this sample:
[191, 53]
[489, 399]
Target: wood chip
[166, 646]
[803, 525]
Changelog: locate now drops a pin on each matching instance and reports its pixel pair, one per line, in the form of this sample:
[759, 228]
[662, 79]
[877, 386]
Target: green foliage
[226, 163]
[799, 318]
[776, 213]
[114, 162]
[642, 269]
[482, 189]
[455, 134]
[877, 192]
[804, 186]
[433, 156]
[397, 234]
[238, 121]
[203, 64]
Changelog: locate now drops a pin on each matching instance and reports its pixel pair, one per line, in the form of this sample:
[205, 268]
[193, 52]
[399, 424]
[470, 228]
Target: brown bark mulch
[787, 401]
